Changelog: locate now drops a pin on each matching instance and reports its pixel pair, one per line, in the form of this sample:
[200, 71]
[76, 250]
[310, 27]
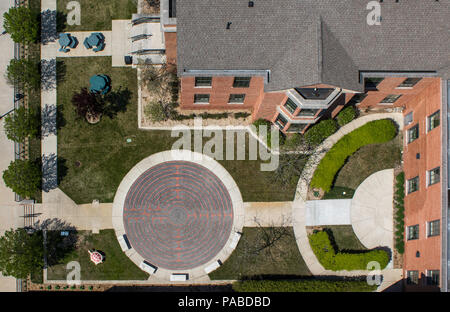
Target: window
[372, 83]
[408, 119]
[203, 81]
[412, 277]
[281, 121]
[434, 228]
[433, 277]
[413, 185]
[241, 82]
[201, 98]
[434, 176]
[390, 99]
[236, 98]
[308, 112]
[413, 133]
[297, 127]
[434, 121]
[357, 98]
[409, 82]
[413, 232]
[290, 106]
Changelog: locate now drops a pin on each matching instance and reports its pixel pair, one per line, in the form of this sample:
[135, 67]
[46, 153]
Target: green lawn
[282, 259]
[345, 238]
[98, 14]
[117, 266]
[95, 158]
[363, 163]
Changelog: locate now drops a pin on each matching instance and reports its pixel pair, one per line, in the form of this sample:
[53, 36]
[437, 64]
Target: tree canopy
[23, 177]
[21, 253]
[22, 24]
[25, 72]
[21, 124]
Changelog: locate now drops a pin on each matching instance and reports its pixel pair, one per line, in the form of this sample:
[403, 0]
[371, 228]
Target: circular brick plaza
[178, 215]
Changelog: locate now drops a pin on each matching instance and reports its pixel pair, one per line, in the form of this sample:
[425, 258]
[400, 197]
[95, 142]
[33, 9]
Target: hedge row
[319, 132]
[346, 115]
[303, 286]
[378, 131]
[399, 197]
[327, 256]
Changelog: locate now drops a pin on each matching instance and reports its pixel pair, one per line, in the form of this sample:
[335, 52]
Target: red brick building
[302, 61]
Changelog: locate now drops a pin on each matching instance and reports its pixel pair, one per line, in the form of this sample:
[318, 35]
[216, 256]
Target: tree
[88, 105]
[21, 253]
[22, 24]
[21, 124]
[25, 72]
[23, 177]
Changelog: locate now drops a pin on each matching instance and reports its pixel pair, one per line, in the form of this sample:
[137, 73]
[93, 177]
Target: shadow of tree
[116, 102]
[54, 169]
[57, 246]
[51, 72]
[48, 120]
[61, 19]
[49, 31]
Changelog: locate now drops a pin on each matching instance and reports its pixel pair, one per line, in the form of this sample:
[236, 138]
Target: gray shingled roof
[303, 42]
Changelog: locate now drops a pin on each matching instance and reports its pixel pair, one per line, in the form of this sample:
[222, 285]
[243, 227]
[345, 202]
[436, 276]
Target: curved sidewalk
[299, 205]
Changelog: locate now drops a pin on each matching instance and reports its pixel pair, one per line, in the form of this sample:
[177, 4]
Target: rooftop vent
[228, 25]
[251, 4]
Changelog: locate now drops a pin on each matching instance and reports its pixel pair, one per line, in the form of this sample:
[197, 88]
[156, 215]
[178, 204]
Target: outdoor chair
[106, 90]
[74, 43]
[100, 47]
[64, 50]
[86, 44]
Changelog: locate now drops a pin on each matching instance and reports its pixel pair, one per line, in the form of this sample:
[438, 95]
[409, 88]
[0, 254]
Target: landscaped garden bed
[116, 266]
[333, 259]
[260, 254]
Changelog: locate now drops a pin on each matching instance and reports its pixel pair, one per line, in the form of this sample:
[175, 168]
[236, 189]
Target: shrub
[319, 132]
[155, 112]
[21, 124]
[22, 24]
[303, 286]
[337, 261]
[346, 115]
[400, 214]
[23, 177]
[378, 131]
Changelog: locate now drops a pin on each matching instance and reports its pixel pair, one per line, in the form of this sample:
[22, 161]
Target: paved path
[372, 210]
[268, 214]
[328, 212]
[299, 206]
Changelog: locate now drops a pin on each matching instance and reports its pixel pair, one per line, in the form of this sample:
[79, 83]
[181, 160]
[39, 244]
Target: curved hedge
[303, 286]
[377, 131]
[330, 260]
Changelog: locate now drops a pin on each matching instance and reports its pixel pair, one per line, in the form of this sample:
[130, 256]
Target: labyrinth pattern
[178, 215]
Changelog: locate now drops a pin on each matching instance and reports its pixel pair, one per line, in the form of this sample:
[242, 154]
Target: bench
[148, 267]
[235, 240]
[123, 242]
[179, 277]
[213, 266]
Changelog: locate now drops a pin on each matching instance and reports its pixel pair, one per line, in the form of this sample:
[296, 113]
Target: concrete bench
[213, 266]
[123, 242]
[179, 277]
[235, 240]
[148, 267]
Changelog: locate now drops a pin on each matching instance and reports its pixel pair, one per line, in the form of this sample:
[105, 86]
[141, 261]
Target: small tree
[23, 177]
[22, 24]
[319, 132]
[24, 72]
[88, 105]
[21, 124]
[21, 253]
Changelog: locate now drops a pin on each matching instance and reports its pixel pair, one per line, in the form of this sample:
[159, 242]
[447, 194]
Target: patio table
[64, 40]
[93, 40]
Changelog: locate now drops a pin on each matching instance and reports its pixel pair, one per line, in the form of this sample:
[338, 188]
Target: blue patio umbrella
[98, 83]
[93, 40]
[64, 40]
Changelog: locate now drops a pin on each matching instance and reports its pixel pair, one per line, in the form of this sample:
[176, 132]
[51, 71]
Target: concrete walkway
[271, 214]
[299, 205]
[372, 210]
[328, 212]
